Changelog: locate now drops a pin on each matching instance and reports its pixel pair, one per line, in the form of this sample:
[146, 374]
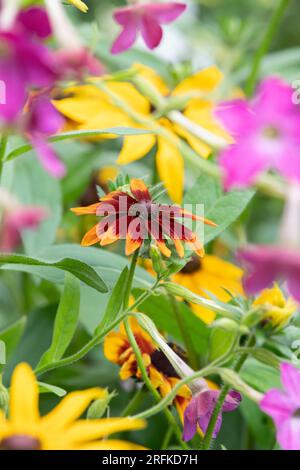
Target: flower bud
[157, 262]
[99, 407]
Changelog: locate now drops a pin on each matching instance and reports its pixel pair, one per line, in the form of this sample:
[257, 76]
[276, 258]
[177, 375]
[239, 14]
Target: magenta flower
[200, 410]
[16, 218]
[145, 19]
[284, 408]
[41, 121]
[267, 264]
[24, 62]
[266, 133]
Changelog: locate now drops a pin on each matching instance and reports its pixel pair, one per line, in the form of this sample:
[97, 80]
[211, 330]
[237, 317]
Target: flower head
[267, 264]
[144, 18]
[266, 133]
[279, 309]
[14, 218]
[284, 407]
[61, 428]
[134, 216]
[200, 410]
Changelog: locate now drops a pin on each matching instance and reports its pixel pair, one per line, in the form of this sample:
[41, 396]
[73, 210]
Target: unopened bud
[227, 324]
[157, 262]
[99, 407]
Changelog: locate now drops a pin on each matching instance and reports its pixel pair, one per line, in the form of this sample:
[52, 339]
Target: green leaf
[115, 302]
[258, 423]
[119, 131]
[79, 269]
[220, 342]
[11, 336]
[260, 376]
[65, 321]
[48, 388]
[2, 353]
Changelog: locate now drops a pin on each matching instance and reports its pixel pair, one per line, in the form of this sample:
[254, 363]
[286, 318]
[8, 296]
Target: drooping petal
[23, 408]
[170, 166]
[47, 156]
[151, 31]
[91, 237]
[135, 147]
[290, 378]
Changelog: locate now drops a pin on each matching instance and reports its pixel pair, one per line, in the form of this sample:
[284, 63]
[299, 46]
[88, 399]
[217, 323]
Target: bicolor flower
[41, 121]
[88, 107]
[163, 376]
[266, 133]
[134, 216]
[14, 218]
[267, 264]
[284, 407]
[24, 62]
[279, 309]
[144, 18]
[61, 428]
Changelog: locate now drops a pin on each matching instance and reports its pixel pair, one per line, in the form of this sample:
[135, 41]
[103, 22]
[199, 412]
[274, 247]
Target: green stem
[265, 45]
[167, 439]
[213, 421]
[3, 146]
[130, 279]
[184, 331]
[148, 383]
[134, 403]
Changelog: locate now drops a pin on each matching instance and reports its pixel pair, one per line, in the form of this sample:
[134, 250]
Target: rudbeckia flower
[134, 216]
[88, 107]
[147, 19]
[283, 406]
[210, 275]
[163, 377]
[266, 133]
[14, 218]
[279, 309]
[61, 428]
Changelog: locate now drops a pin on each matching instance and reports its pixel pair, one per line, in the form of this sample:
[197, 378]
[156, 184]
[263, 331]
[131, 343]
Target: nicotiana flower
[132, 215]
[145, 18]
[41, 121]
[14, 218]
[266, 133]
[61, 428]
[284, 407]
[88, 107]
[24, 62]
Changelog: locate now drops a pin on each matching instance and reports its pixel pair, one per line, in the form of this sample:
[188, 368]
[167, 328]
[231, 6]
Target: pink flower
[267, 264]
[145, 19]
[200, 410]
[41, 121]
[266, 133]
[16, 218]
[284, 408]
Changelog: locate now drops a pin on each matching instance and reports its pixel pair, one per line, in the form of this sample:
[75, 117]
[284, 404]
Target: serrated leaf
[82, 271]
[65, 321]
[115, 302]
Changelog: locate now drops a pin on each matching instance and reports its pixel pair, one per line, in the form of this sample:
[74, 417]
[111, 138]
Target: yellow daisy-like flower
[61, 429]
[279, 309]
[88, 107]
[80, 5]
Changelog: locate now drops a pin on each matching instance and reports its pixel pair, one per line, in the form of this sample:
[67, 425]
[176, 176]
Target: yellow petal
[82, 103]
[204, 81]
[198, 145]
[153, 78]
[170, 168]
[114, 343]
[135, 147]
[71, 408]
[80, 5]
[91, 237]
[88, 430]
[23, 397]
[131, 96]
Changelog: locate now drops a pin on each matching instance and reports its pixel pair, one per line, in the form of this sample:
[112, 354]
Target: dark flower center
[192, 266]
[162, 363]
[271, 132]
[297, 413]
[20, 442]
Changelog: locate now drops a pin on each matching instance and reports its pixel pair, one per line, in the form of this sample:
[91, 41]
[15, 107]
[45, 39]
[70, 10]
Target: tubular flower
[163, 376]
[279, 309]
[134, 216]
[61, 429]
[147, 19]
[88, 107]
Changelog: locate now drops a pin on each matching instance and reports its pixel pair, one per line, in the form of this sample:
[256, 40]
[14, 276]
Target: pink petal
[274, 98]
[127, 37]
[167, 12]
[35, 20]
[47, 156]
[123, 16]
[236, 116]
[289, 163]
[290, 378]
[151, 31]
[232, 401]
[293, 285]
[277, 405]
[44, 118]
[288, 434]
[13, 95]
